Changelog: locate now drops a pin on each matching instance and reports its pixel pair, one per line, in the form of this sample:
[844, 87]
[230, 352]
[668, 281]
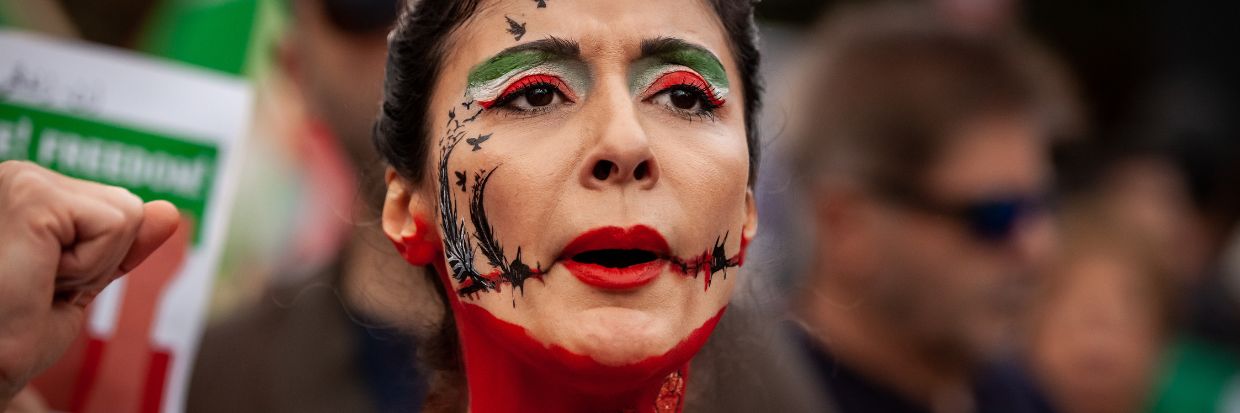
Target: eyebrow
[523, 56]
[678, 51]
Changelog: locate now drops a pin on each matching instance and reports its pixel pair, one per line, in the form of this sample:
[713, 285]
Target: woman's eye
[532, 98]
[684, 98]
[539, 96]
[686, 93]
[534, 93]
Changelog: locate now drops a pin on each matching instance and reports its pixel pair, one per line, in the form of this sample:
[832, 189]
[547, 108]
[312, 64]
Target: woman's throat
[507, 370]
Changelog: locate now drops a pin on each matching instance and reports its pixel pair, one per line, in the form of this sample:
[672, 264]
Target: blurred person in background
[1200, 371]
[1114, 329]
[1106, 311]
[923, 155]
[1160, 77]
[1180, 194]
[342, 337]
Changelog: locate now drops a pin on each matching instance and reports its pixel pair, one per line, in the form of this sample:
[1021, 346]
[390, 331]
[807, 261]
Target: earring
[421, 247]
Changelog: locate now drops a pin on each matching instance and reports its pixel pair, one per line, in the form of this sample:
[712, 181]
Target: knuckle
[113, 220]
[22, 182]
[128, 204]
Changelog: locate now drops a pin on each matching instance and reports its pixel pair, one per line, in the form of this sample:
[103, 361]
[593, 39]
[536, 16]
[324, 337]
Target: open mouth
[616, 258]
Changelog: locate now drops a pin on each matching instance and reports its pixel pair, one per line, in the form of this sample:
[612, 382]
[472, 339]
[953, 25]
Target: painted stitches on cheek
[711, 261]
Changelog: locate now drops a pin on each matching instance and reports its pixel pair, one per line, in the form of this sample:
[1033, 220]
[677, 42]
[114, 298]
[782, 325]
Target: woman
[578, 175]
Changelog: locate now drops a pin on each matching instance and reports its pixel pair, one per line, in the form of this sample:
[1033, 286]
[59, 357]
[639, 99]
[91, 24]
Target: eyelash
[518, 89]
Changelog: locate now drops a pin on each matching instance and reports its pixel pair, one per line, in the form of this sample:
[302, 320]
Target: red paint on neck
[509, 371]
[421, 248]
[740, 256]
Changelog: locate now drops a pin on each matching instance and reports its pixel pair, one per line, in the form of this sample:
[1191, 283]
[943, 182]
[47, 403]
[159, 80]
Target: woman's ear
[751, 216]
[750, 228]
[406, 223]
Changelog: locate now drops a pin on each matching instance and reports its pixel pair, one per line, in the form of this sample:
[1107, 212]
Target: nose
[622, 155]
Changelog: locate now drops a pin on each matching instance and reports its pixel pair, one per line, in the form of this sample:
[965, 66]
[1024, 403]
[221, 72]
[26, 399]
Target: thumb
[159, 221]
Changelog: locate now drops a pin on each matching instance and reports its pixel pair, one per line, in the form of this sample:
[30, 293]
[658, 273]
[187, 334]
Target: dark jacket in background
[299, 350]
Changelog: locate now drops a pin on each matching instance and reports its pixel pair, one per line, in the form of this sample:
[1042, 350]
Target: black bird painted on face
[516, 29]
[477, 142]
[460, 180]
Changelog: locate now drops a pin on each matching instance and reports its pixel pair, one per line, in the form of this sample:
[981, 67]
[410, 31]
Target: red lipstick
[616, 258]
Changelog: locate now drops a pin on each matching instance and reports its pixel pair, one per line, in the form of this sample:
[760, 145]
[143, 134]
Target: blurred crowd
[966, 206]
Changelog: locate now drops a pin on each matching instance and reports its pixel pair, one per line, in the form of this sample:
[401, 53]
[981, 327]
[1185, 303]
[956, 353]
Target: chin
[612, 348]
[616, 336]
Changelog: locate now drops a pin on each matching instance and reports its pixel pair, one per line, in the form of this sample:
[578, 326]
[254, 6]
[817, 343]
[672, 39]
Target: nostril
[642, 170]
[603, 169]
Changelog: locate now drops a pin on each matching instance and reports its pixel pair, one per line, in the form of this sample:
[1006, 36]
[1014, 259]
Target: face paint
[652, 385]
[623, 258]
[657, 383]
[508, 76]
[677, 79]
[477, 142]
[712, 261]
[673, 63]
[552, 354]
[517, 30]
[458, 247]
[460, 180]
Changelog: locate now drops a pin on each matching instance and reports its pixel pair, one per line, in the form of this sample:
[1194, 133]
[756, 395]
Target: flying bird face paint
[589, 181]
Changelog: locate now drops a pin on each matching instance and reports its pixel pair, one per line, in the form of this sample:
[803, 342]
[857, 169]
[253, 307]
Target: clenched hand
[62, 240]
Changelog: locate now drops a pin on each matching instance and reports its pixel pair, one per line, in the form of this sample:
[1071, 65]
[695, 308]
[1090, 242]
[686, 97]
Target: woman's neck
[506, 370]
[501, 381]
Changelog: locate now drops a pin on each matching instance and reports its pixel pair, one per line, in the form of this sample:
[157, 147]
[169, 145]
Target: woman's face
[589, 173]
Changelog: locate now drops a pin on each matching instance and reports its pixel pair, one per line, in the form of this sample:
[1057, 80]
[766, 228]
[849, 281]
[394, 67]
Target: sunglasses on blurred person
[992, 219]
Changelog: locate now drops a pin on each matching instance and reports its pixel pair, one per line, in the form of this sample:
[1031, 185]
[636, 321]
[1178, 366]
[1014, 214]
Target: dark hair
[894, 81]
[416, 50]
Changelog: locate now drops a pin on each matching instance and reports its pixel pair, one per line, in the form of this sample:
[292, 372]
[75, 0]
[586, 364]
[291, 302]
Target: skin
[913, 299]
[64, 241]
[543, 193]
[1097, 343]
